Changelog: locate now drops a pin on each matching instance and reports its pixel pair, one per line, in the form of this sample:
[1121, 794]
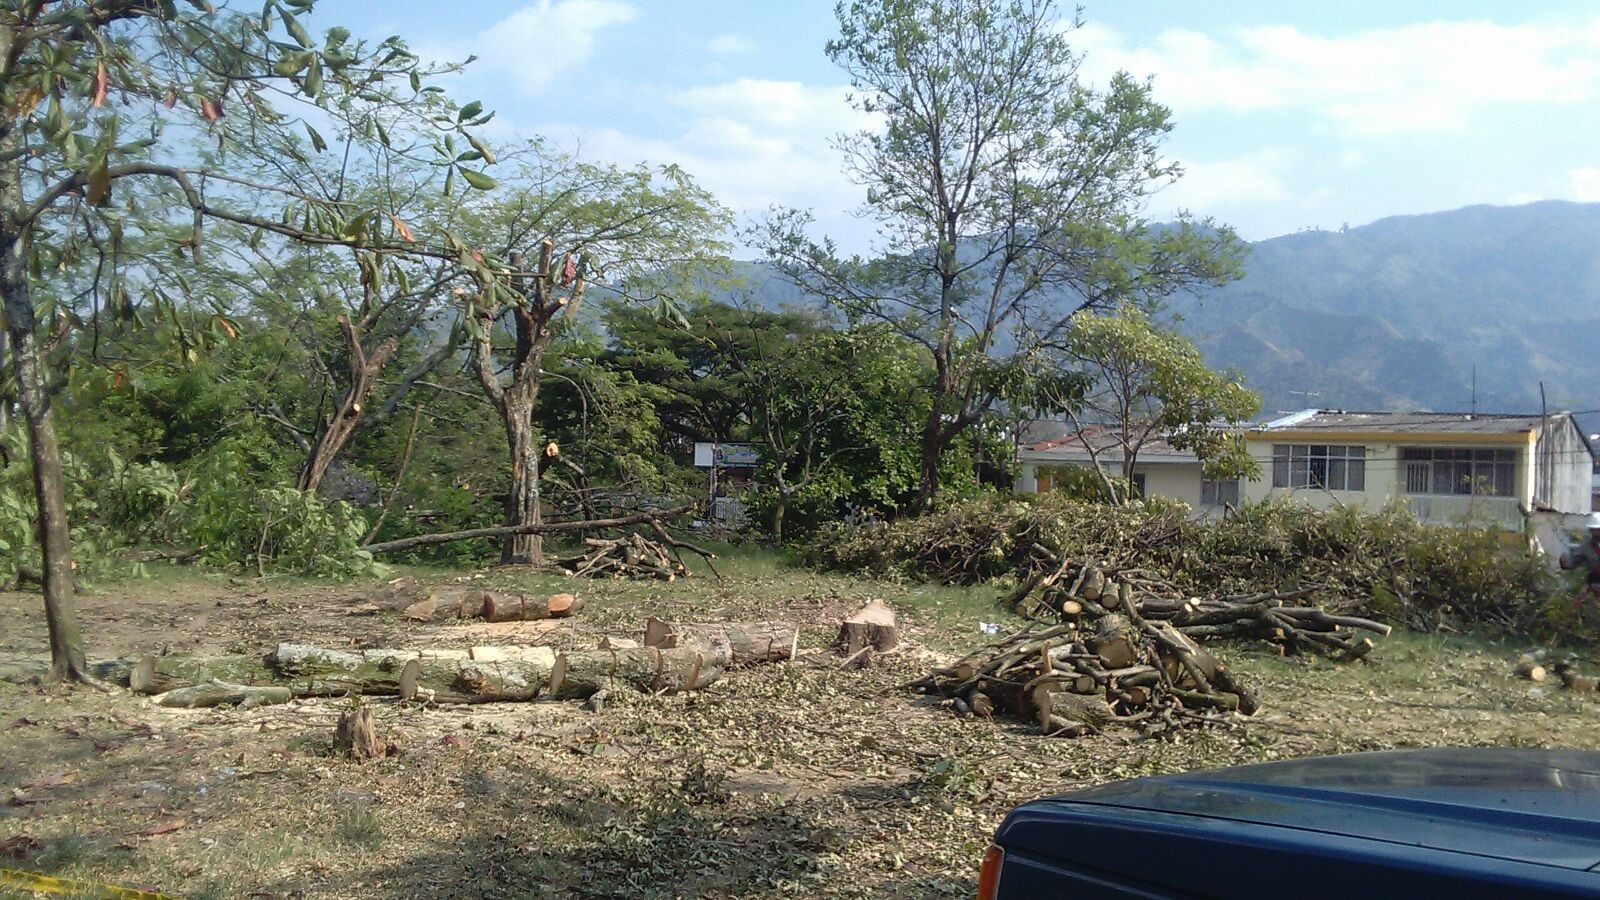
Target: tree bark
[583, 673]
[522, 499]
[50, 491]
[337, 430]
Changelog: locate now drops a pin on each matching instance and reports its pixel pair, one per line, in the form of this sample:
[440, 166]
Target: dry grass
[788, 780]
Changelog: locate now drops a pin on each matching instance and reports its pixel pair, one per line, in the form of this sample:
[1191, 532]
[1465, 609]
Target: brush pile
[630, 556]
[1082, 592]
[1075, 679]
[1342, 562]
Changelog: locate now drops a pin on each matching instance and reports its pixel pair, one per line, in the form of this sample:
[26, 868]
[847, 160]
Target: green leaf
[316, 138]
[481, 147]
[469, 111]
[290, 64]
[383, 134]
[313, 83]
[478, 180]
[295, 29]
[416, 82]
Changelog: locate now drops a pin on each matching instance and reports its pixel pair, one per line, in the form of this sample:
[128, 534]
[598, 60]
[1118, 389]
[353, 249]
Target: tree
[1006, 192]
[92, 90]
[1146, 382]
[833, 413]
[632, 232]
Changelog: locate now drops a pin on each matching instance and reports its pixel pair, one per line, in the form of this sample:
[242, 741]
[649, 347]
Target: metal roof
[1411, 423]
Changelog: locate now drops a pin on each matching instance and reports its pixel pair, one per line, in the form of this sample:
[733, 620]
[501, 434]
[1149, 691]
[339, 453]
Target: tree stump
[356, 736]
[873, 626]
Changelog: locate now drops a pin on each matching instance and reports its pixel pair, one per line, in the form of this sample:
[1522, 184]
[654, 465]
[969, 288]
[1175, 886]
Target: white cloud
[1209, 186]
[1585, 184]
[1522, 197]
[731, 45]
[1425, 77]
[534, 44]
[753, 143]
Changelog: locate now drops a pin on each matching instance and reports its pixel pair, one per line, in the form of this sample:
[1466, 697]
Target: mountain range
[1468, 309]
[1417, 312]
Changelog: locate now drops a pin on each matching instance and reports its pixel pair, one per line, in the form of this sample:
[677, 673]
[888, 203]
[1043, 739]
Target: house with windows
[1159, 470]
[1447, 468]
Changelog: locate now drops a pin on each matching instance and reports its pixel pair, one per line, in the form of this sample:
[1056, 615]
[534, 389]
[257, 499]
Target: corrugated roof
[1104, 439]
[1411, 423]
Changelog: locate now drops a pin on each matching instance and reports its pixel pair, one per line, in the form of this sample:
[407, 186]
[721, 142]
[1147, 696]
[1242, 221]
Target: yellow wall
[1385, 472]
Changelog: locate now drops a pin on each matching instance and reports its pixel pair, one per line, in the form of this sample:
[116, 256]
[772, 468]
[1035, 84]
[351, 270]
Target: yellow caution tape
[45, 884]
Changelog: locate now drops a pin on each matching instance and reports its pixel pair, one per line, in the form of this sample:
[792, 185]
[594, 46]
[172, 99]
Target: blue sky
[1289, 115]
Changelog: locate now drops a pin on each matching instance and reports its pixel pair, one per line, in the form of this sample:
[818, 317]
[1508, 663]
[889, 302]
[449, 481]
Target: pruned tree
[1006, 192]
[1145, 382]
[629, 232]
[93, 93]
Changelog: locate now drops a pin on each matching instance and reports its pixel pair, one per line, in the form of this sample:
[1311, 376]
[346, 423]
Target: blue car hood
[1537, 807]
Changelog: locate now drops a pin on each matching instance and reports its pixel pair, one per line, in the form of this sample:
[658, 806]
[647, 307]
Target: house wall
[1173, 481]
[1564, 470]
[1385, 478]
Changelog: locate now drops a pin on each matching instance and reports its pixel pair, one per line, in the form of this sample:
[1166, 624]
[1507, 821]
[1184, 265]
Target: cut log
[159, 674]
[1094, 585]
[527, 609]
[477, 681]
[615, 643]
[1530, 670]
[749, 642]
[872, 626]
[579, 674]
[1062, 706]
[1115, 642]
[356, 736]
[217, 693]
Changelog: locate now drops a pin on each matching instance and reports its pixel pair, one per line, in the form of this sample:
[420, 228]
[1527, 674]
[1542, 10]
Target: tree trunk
[337, 431]
[5, 399]
[748, 642]
[932, 451]
[50, 490]
[777, 516]
[522, 499]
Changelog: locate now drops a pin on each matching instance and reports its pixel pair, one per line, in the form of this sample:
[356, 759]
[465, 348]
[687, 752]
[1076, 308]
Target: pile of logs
[404, 597]
[673, 657]
[1079, 592]
[631, 556]
[1076, 680]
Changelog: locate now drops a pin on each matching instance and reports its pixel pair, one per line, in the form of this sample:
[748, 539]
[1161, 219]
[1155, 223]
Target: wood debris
[1078, 679]
[631, 556]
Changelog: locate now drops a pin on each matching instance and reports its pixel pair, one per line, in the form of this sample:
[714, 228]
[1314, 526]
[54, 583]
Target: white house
[1448, 468]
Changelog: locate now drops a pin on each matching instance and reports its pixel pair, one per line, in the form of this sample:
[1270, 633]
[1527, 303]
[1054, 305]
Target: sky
[1288, 115]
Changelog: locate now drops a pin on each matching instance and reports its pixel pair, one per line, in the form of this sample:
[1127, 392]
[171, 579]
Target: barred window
[1460, 470]
[1329, 466]
[1218, 492]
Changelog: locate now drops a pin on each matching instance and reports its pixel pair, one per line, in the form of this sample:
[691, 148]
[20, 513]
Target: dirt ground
[788, 780]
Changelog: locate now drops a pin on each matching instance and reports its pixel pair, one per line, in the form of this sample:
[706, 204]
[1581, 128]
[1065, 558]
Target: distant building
[730, 470]
[1448, 468]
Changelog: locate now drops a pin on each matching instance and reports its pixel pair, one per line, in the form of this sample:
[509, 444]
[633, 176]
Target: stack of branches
[1078, 592]
[1385, 566]
[633, 556]
[966, 543]
[1077, 679]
